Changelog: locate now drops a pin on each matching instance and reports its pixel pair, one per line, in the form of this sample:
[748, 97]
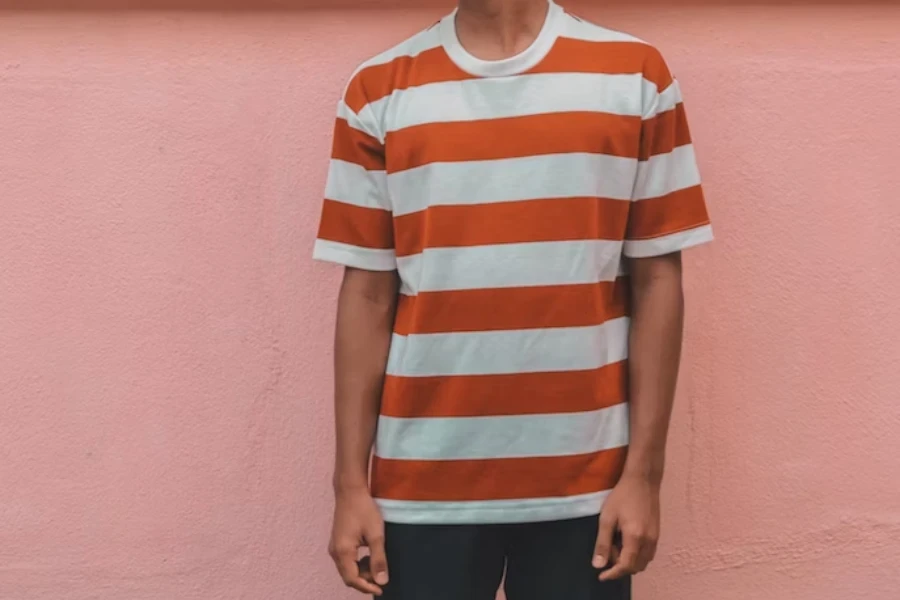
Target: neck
[510, 23]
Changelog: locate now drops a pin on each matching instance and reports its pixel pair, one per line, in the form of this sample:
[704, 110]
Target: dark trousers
[534, 561]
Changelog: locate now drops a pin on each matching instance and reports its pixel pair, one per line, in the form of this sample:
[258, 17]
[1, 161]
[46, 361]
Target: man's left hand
[632, 510]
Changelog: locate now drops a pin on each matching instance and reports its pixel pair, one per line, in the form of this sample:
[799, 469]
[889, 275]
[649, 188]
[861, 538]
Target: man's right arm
[365, 320]
[366, 307]
[357, 232]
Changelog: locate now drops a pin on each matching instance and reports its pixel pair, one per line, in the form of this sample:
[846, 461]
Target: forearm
[365, 320]
[654, 354]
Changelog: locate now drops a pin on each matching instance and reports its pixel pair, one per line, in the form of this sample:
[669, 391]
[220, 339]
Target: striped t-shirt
[507, 194]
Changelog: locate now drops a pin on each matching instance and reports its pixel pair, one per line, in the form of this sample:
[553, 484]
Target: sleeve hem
[668, 244]
[351, 256]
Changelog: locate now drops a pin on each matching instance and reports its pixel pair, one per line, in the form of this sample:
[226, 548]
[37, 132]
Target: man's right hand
[358, 524]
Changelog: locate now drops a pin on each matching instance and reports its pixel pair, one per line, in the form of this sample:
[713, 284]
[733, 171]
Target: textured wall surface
[165, 419]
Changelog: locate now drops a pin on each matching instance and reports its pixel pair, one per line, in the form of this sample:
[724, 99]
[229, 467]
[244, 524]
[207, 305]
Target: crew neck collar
[513, 65]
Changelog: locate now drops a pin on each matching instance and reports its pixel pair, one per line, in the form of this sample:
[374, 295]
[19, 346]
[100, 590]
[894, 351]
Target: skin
[498, 29]
[366, 306]
[632, 508]
[493, 30]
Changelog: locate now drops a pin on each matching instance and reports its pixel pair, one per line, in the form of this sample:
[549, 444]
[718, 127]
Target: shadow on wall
[257, 5]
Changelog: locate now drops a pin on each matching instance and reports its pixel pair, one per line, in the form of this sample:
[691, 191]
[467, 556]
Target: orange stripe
[356, 225]
[678, 211]
[665, 132]
[353, 145]
[567, 56]
[376, 82]
[512, 137]
[499, 479]
[501, 395]
[502, 309]
[611, 58]
[546, 220]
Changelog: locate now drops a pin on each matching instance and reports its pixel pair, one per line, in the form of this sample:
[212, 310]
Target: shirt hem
[491, 513]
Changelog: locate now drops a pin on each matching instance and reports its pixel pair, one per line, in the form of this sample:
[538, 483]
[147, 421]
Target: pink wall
[165, 424]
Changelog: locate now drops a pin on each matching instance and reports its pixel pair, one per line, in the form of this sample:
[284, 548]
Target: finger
[626, 563]
[645, 557]
[604, 545]
[365, 569]
[640, 564]
[378, 558]
[617, 571]
[350, 573]
[622, 568]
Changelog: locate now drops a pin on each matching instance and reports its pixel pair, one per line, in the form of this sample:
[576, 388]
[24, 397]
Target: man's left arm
[632, 509]
[667, 214]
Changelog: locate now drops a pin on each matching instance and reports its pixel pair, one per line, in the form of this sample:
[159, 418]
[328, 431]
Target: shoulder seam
[627, 37]
[395, 51]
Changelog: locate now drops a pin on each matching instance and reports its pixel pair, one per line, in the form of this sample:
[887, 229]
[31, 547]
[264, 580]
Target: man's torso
[511, 200]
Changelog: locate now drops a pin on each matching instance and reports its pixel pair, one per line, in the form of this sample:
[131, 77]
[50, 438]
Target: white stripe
[667, 173]
[519, 436]
[353, 184]
[668, 99]
[354, 256]
[365, 121]
[346, 113]
[417, 44]
[534, 177]
[649, 96]
[580, 29]
[668, 244]
[501, 352]
[503, 97]
[510, 265]
[492, 511]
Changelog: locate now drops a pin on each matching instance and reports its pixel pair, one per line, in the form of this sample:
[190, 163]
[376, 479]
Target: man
[509, 193]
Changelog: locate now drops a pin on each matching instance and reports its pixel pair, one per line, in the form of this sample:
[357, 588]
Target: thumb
[379, 558]
[604, 545]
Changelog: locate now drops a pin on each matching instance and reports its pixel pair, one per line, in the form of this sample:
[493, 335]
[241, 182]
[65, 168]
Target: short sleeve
[356, 226]
[668, 210]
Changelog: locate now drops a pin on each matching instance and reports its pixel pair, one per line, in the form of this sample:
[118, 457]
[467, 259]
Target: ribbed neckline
[514, 65]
